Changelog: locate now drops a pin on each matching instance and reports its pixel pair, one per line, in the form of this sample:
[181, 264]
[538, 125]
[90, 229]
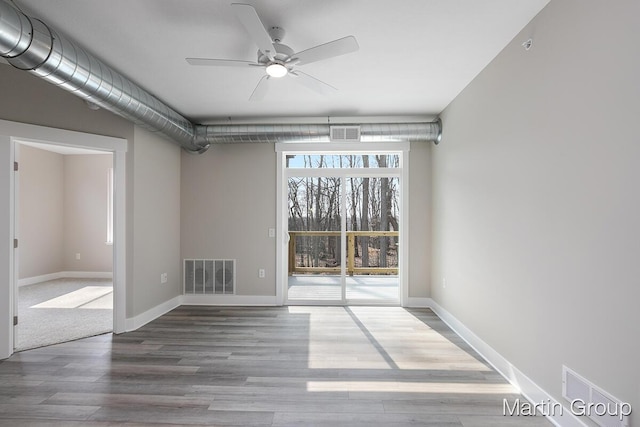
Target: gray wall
[63, 211]
[41, 212]
[536, 200]
[420, 220]
[229, 203]
[28, 99]
[85, 213]
[156, 247]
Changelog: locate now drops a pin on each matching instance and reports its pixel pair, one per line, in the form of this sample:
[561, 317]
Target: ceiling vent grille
[209, 276]
[345, 133]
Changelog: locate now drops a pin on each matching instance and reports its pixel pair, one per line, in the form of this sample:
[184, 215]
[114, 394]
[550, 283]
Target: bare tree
[384, 212]
[295, 212]
[355, 196]
[372, 204]
[364, 217]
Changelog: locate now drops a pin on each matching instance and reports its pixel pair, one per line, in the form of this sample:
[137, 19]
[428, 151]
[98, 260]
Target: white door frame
[10, 134]
[284, 149]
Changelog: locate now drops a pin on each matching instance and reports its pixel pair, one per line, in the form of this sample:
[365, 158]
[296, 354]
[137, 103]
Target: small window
[349, 161]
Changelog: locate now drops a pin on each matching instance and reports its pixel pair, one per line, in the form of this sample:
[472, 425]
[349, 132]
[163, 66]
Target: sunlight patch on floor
[89, 297]
[337, 335]
[409, 387]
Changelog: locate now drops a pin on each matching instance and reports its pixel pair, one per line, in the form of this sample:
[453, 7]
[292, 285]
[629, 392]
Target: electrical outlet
[272, 232]
[261, 273]
[163, 278]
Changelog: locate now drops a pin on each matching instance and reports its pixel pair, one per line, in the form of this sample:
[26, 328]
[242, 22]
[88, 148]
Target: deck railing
[351, 250]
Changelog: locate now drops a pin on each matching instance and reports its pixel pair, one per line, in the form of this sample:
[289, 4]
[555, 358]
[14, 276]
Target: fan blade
[312, 83]
[209, 62]
[261, 89]
[328, 50]
[252, 23]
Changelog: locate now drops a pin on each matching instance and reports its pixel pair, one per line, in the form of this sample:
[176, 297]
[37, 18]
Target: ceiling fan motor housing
[283, 52]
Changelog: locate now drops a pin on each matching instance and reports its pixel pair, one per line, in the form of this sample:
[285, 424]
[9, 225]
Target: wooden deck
[352, 265]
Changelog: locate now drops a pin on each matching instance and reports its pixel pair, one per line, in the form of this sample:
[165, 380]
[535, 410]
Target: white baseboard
[38, 279]
[418, 302]
[87, 274]
[140, 320]
[235, 300]
[66, 275]
[528, 388]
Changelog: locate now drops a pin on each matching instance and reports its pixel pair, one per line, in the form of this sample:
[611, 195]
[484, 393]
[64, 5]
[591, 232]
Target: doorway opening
[64, 260]
[11, 135]
[343, 215]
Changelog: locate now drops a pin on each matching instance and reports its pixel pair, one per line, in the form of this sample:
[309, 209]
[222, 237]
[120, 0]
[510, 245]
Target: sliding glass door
[343, 223]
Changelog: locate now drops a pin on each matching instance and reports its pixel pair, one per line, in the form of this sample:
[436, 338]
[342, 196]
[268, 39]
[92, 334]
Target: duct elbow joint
[197, 147]
[199, 142]
[438, 125]
[197, 150]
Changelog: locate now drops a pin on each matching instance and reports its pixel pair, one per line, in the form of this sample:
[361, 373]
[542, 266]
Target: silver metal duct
[369, 132]
[29, 44]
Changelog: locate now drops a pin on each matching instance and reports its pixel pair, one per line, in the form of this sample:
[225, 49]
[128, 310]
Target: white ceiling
[415, 55]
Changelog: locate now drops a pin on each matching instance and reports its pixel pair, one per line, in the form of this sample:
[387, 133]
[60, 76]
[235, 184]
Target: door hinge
[15, 320]
[15, 243]
[15, 166]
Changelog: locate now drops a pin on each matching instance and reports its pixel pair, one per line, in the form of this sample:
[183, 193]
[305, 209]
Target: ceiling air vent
[345, 133]
[209, 276]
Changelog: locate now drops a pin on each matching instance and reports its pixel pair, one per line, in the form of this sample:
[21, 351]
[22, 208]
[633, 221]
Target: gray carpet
[63, 310]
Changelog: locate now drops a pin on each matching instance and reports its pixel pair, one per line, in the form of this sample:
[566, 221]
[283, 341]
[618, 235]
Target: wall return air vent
[588, 400]
[209, 276]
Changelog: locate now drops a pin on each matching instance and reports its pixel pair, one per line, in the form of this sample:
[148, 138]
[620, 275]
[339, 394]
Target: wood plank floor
[267, 366]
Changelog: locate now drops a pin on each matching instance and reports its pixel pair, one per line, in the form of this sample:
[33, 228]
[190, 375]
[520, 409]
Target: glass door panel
[373, 209]
[315, 239]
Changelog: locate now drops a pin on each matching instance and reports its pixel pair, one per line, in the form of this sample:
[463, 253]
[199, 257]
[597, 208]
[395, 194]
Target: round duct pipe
[369, 132]
[31, 45]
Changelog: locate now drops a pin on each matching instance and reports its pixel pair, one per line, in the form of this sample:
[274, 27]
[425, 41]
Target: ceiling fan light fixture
[277, 70]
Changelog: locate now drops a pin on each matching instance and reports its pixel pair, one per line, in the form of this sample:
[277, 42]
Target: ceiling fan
[277, 59]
